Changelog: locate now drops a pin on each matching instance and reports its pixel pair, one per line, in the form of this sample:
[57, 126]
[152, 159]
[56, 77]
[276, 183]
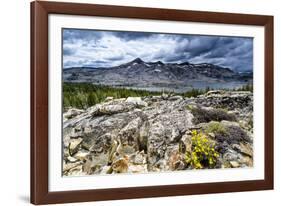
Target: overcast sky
[105, 49]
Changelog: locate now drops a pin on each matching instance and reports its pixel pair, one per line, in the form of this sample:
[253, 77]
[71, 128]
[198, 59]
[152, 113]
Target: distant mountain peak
[184, 63]
[157, 62]
[137, 60]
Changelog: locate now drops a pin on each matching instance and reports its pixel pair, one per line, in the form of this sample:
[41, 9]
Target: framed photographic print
[131, 102]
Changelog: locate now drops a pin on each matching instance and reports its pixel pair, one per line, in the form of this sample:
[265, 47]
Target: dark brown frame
[39, 102]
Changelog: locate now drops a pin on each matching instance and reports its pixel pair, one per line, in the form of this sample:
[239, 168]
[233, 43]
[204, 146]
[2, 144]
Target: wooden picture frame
[39, 102]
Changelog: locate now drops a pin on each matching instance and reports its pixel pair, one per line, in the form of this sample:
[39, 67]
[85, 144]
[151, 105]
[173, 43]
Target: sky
[93, 48]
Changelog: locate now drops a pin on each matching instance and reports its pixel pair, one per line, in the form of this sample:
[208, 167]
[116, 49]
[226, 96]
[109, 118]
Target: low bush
[206, 115]
[234, 135]
[216, 128]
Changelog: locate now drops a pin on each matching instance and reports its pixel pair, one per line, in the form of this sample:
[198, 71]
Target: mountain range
[141, 74]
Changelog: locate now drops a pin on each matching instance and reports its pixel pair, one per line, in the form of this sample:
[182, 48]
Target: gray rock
[138, 158]
[76, 171]
[108, 99]
[185, 143]
[113, 109]
[230, 155]
[152, 134]
[243, 148]
[105, 170]
[72, 159]
[74, 145]
[137, 169]
[234, 164]
[136, 101]
[69, 166]
[72, 113]
[82, 155]
[174, 98]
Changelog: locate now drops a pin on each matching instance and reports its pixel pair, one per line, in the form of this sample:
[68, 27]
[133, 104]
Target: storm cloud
[108, 48]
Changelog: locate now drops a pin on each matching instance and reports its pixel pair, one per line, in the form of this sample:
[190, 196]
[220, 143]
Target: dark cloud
[97, 63]
[176, 58]
[68, 51]
[109, 48]
[72, 35]
[114, 58]
[130, 36]
[200, 45]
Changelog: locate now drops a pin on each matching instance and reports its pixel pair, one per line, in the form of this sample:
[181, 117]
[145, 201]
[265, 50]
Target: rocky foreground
[159, 133]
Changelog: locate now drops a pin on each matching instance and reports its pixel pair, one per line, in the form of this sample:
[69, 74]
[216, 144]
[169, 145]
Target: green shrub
[189, 107]
[203, 153]
[234, 135]
[206, 115]
[216, 128]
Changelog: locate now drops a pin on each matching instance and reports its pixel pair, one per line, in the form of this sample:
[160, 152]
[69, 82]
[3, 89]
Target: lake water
[195, 85]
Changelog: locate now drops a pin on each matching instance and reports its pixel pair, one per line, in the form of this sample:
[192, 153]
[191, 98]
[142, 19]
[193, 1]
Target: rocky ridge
[141, 74]
[153, 134]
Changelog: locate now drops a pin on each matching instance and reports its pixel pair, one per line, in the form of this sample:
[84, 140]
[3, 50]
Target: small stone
[76, 171]
[72, 159]
[230, 155]
[186, 143]
[105, 170]
[137, 169]
[234, 164]
[236, 147]
[72, 113]
[89, 167]
[180, 165]
[78, 128]
[73, 145]
[175, 135]
[82, 155]
[108, 99]
[165, 96]
[214, 92]
[248, 161]
[174, 98]
[137, 101]
[76, 135]
[139, 158]
[246, 149]
[68, 166]
[211, 134]
[87, 129]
